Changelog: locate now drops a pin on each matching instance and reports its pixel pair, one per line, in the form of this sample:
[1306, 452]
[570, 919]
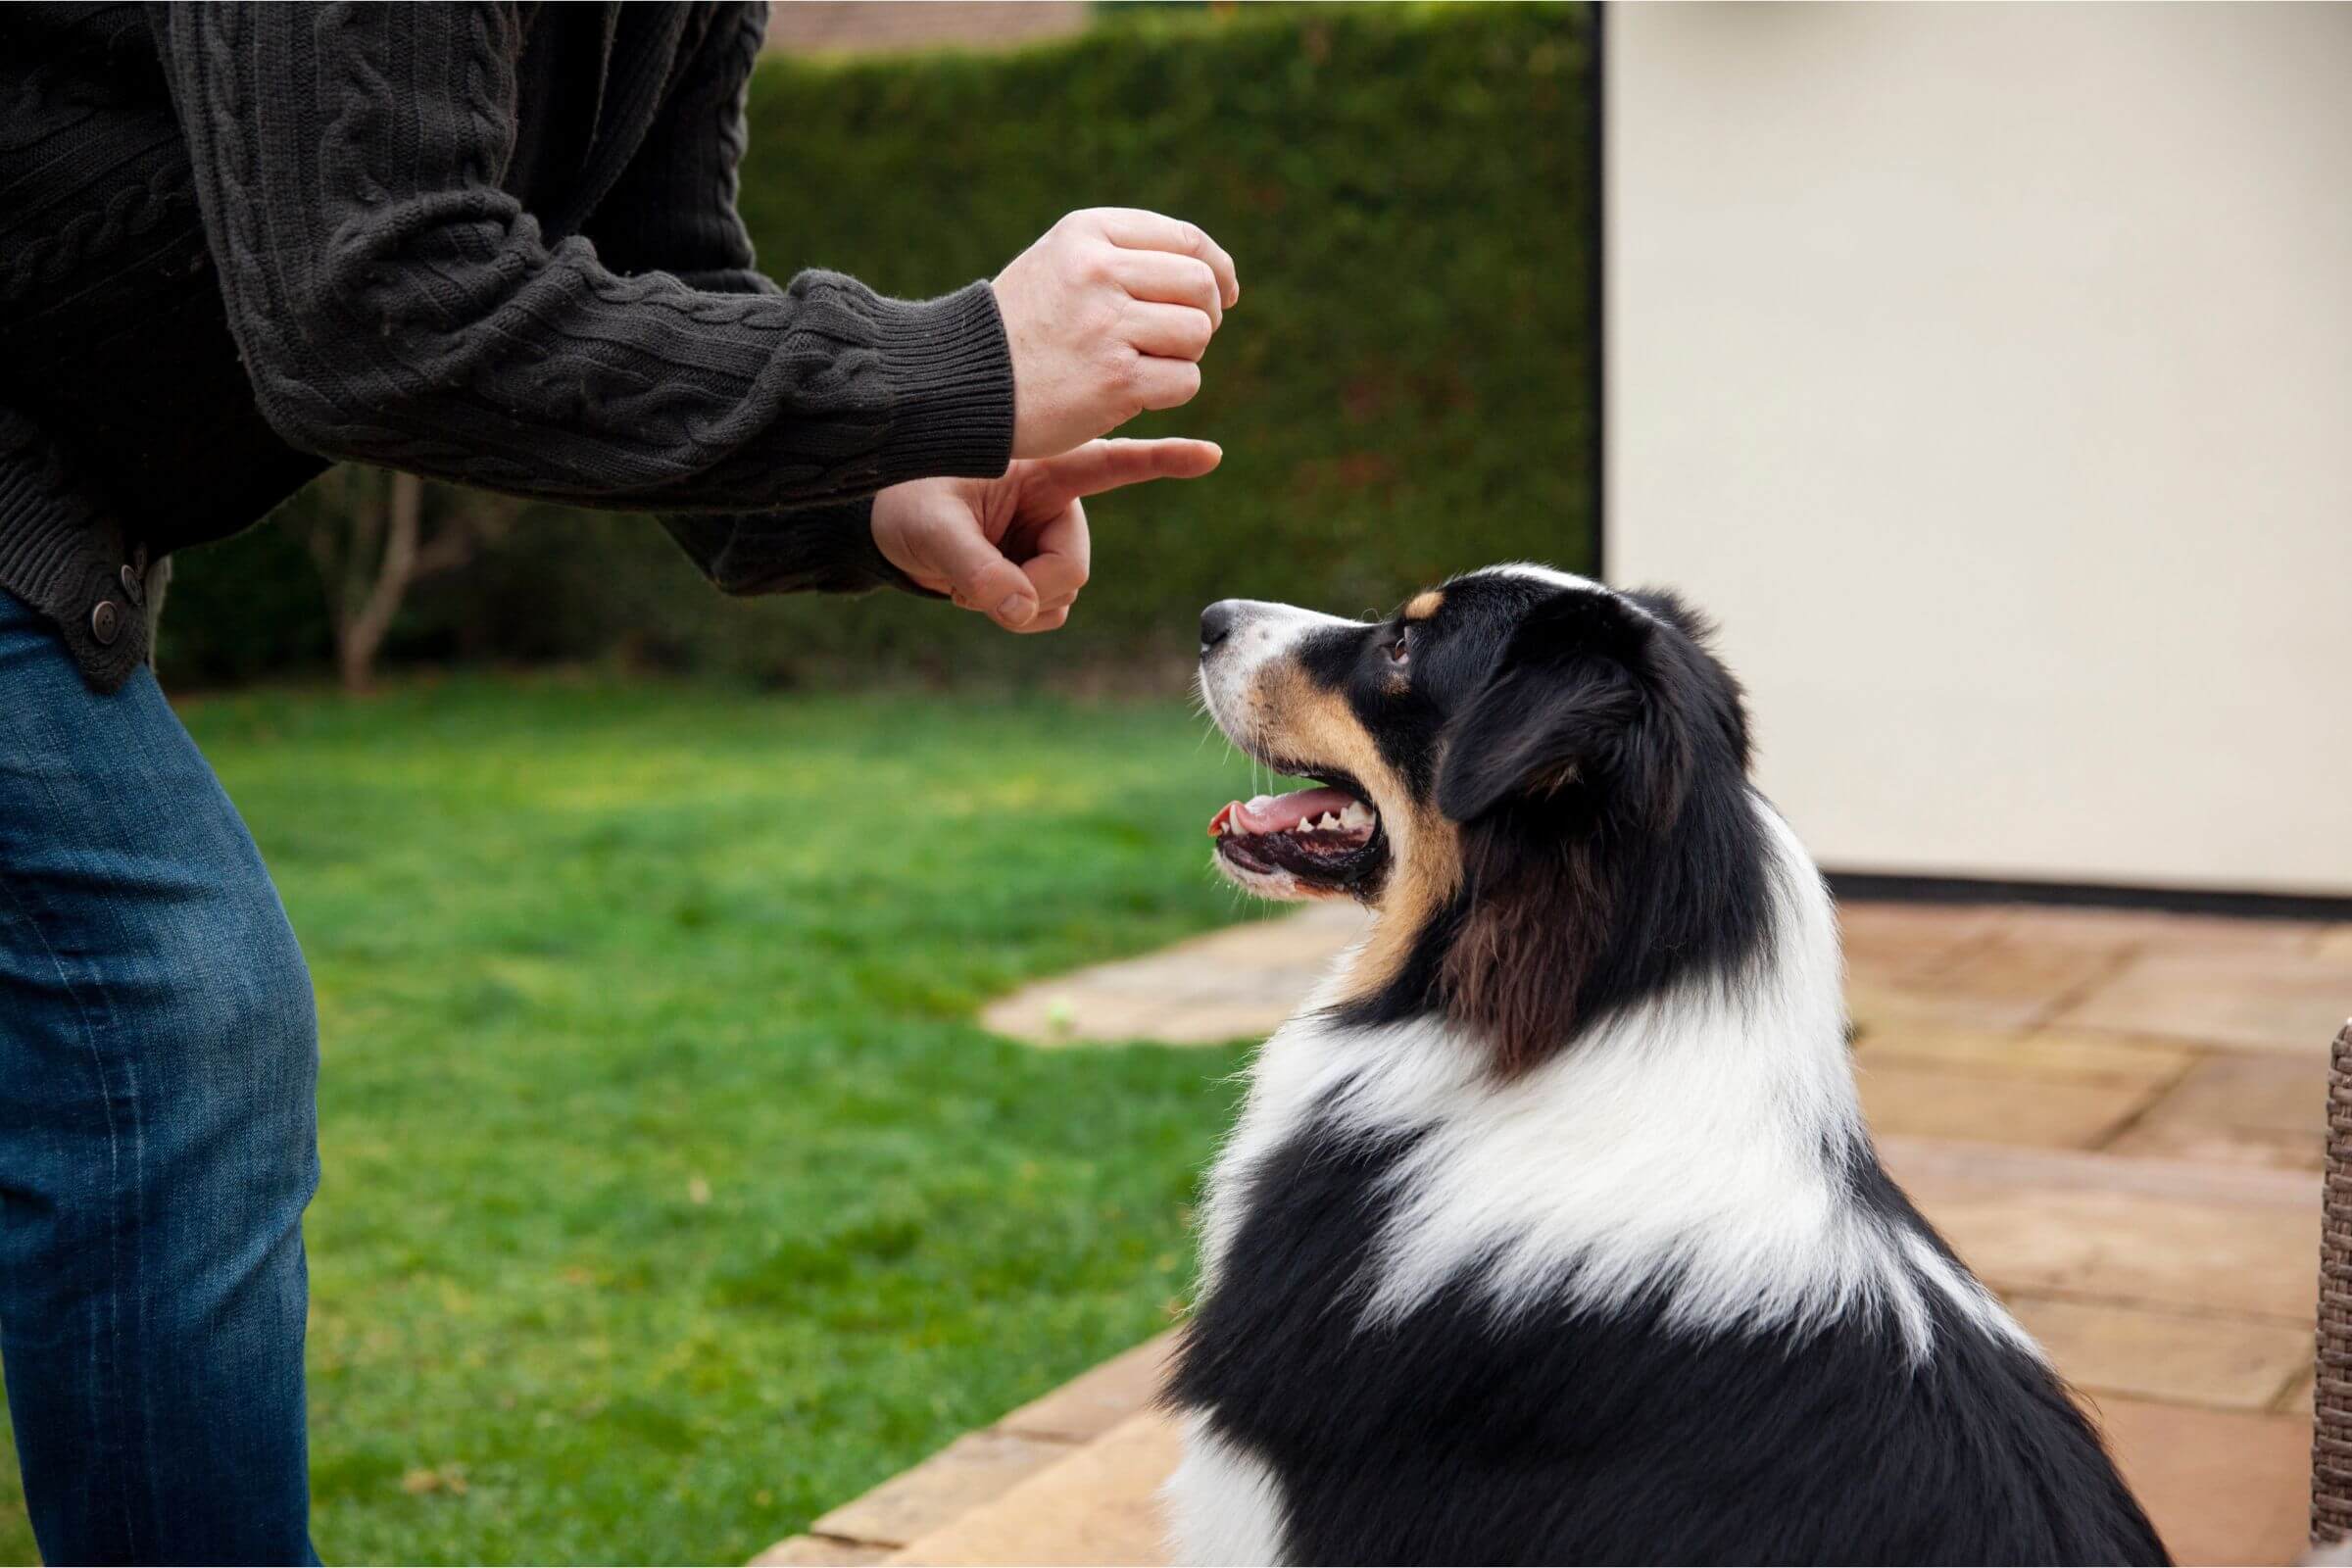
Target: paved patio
[2117, 1117]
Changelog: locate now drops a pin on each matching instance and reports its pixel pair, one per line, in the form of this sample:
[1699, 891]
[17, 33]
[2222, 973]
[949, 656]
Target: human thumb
[982, 579]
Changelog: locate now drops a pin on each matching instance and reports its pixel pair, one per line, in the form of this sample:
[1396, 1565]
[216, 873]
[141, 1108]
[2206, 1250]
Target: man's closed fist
[1108, 315]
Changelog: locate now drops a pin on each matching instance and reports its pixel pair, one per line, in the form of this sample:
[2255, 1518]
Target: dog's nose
[1216, 623]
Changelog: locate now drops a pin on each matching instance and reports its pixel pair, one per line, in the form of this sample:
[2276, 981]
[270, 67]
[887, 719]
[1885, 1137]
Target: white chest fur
[1223, 1505]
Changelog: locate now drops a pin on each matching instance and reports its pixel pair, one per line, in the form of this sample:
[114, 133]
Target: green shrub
[1404, 390]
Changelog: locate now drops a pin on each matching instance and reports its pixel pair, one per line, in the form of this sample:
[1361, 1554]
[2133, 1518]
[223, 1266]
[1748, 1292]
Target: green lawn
[671, 1193]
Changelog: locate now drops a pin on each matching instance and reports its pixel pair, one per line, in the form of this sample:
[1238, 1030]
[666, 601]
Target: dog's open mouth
[1327, 838]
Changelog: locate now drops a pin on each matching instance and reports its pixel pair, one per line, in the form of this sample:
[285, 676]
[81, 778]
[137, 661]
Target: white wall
[1987, 370]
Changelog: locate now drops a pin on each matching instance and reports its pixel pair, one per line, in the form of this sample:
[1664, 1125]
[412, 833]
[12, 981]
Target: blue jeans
[157, 1133]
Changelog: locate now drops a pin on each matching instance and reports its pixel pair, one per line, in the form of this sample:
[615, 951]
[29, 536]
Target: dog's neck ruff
[1701, 1150]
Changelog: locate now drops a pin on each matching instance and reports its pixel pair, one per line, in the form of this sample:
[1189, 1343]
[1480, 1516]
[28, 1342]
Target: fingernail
[1013, 609]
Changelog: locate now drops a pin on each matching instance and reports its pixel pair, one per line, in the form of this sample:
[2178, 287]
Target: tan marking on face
[1301, 720]
[1425, 870]
[1425, 605]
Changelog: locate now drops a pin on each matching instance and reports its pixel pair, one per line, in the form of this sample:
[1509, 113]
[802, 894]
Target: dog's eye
[1400, 652]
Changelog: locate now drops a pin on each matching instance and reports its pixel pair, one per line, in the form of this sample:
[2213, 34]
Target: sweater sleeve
[816, 548]
[673, 208]
[394, 306]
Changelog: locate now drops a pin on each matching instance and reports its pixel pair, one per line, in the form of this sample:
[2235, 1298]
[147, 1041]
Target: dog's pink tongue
[1279, 813]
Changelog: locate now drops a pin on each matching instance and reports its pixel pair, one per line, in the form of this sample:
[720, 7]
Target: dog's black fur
[1453, 1436]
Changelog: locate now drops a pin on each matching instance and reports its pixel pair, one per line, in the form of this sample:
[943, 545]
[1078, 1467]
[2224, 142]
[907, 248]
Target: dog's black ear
[1569, 708]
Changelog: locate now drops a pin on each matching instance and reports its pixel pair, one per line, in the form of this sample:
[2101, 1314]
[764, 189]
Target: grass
[671, 1193]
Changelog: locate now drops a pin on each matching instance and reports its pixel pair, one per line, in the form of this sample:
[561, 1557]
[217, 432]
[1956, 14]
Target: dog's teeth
[1356, 816]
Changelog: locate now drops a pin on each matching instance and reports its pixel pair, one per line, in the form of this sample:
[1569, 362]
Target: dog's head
[1540, 782]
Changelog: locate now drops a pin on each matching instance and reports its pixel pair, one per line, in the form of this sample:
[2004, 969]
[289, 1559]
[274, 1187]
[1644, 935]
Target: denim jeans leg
[157, 1133]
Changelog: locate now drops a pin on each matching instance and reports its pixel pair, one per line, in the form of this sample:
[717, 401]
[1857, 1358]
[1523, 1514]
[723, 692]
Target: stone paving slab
[1923, 1164]
[1900, 940]
[1099, 1505]
[2257, 1109]
[972, 1470]
[2037, 1055]
[2154, 930]
[1090, 1406]
[818, 1551]
[2234, 1260]
[2222, 1486]
[2157, 1353]
[2010, 1055]
[2253, 1001]
[2017, 979]
[2006, 984]
[1236, 984]
[981, 1466]
[1904, 1100]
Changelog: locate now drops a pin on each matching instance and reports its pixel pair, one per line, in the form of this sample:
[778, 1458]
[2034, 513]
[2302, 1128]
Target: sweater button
[132, 588]
[105, 622]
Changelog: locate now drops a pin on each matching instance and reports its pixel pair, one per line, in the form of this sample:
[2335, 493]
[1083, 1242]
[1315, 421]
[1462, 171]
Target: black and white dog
[1551, 1232]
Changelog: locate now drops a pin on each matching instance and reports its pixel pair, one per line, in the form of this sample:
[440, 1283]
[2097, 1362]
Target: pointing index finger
[1135, 230]
[1100, 466]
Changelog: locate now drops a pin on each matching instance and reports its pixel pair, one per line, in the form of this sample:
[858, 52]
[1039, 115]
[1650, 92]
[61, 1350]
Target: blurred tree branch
[373, 536]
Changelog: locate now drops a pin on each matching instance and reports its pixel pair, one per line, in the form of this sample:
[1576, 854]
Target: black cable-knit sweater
[493, 243]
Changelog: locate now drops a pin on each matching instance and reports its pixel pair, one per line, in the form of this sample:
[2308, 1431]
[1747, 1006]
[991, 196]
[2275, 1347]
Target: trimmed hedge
[1404, 390]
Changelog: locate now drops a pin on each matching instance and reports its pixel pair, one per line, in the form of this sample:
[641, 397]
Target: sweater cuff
[949, 372]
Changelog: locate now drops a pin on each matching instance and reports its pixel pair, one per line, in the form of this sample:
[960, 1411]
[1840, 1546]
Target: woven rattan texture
[2332, 1403]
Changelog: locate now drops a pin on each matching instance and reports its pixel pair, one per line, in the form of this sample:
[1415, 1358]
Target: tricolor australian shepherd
[1551, 1232]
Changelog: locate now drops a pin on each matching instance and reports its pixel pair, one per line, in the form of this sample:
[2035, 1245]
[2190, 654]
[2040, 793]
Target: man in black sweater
[492, 243]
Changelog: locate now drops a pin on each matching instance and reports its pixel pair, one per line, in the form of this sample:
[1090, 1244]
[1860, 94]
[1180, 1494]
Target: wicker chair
[2331, 1398]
